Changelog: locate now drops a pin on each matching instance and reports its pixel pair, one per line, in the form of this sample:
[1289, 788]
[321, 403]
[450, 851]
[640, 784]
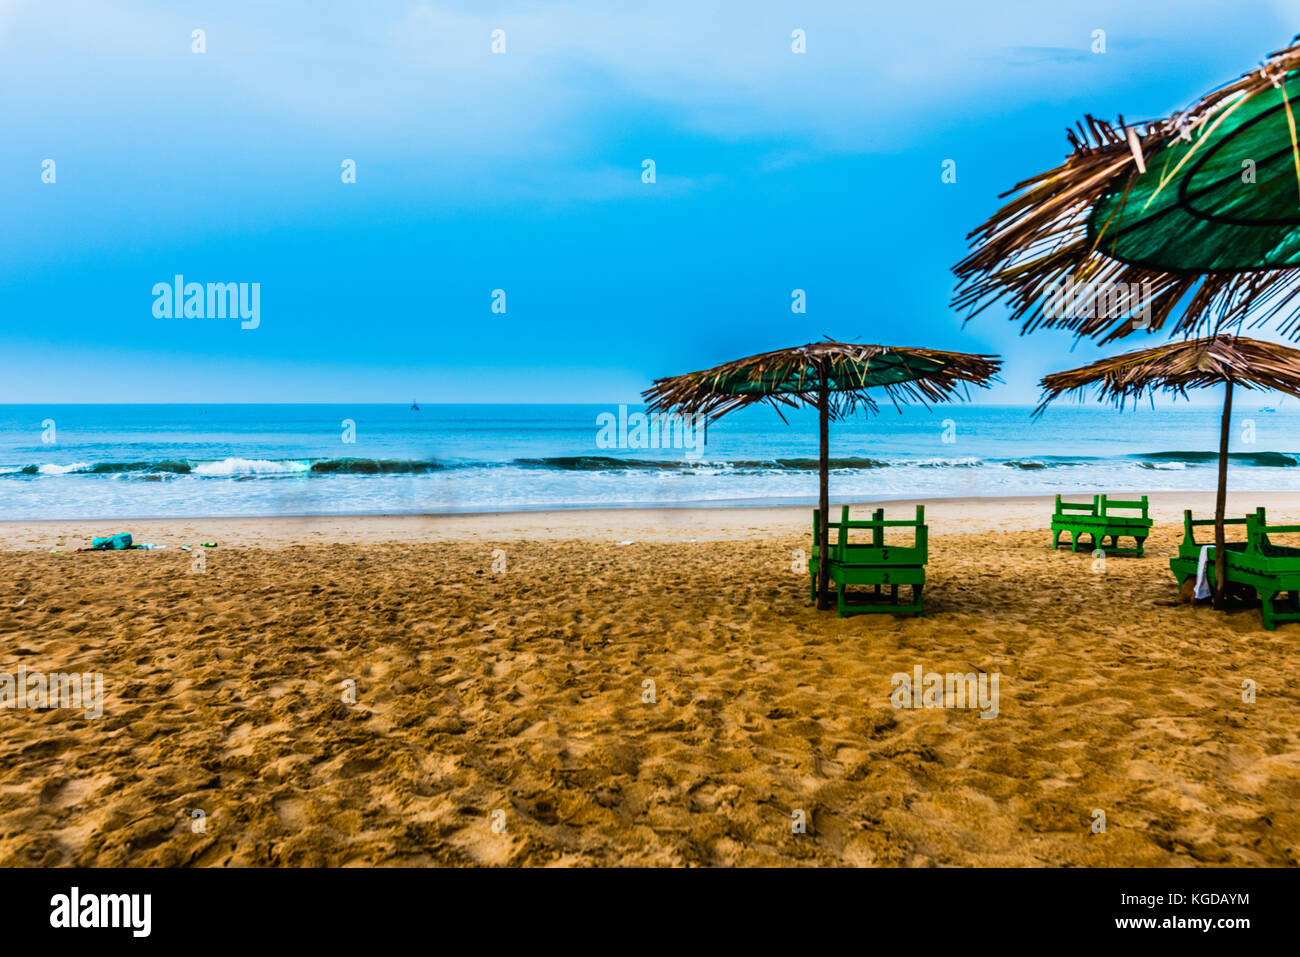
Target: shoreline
[946, 515]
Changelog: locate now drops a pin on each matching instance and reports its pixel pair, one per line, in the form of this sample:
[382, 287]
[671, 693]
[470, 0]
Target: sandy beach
[501, 662]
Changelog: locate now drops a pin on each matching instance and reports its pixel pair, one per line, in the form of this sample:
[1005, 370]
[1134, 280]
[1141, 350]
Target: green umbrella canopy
[1178, 366]
[1200, 211]
[847, 370]
[1227, 198]
[833, 376]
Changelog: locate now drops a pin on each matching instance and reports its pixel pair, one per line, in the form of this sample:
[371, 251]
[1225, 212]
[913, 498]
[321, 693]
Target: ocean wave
[610, 463]
[234, 467]
[165, 467]
[597, 463]
[374, 467]
[966, 463]
[245, 468]
[52, 469]
[810, 465]
[1256, 459]
[1048, 462]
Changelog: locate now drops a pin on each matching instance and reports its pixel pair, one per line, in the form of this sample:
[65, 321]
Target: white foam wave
[940, 463]
[235, 466]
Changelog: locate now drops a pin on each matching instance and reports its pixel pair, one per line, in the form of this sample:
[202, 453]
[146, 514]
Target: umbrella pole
[1220, 502]
[823, 423]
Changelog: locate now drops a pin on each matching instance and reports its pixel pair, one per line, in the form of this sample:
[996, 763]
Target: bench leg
[916, 597]
[1140, 543]
[1074, 541]
[839, 599]
[1266, 610]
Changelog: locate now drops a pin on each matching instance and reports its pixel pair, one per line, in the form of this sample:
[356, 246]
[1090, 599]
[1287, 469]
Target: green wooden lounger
[1256, 564]
[1098, 520]
[874, 563]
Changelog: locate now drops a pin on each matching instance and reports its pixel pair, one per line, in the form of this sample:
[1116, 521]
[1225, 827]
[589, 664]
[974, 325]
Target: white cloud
[424, 71]
[418, 81]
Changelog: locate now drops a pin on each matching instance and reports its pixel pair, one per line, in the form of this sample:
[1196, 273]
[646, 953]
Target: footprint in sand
[291, 812]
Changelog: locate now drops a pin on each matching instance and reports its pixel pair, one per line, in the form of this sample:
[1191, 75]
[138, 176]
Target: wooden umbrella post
[1220, 502]
[823, 417]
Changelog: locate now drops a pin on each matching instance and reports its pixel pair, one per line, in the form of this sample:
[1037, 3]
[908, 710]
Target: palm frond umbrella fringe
[834, 378]
[1176, 367]
[1200, 209]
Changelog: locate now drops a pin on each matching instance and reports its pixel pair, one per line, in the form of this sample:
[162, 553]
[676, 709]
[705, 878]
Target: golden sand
[523, 690]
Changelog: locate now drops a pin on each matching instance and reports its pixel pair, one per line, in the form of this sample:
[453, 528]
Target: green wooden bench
[1099, 521]
[875, 563]
[1256, 564]
[1185, 563]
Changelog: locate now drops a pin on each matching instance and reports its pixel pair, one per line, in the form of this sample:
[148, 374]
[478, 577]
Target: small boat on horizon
[415, 406]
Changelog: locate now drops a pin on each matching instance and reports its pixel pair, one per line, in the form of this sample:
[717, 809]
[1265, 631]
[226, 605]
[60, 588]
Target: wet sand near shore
[951, 515]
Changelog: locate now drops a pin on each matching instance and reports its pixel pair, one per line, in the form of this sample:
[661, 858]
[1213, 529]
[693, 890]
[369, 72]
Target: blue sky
[522, 171]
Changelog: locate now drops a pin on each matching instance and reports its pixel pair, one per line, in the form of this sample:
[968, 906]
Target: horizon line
[914, 405]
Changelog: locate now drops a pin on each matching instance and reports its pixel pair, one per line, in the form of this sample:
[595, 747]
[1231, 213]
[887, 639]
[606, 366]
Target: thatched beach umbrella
[1201, 208]
[832, 376]
[1176, 367]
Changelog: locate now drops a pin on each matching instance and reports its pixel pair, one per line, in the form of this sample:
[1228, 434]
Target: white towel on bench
[1203, 589]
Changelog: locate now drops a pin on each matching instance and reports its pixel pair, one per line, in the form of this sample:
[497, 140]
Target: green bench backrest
[1107, 504]
[1191, 524]
[1102, 506]
[1088, 507]
[1257, 530]
[843, 549]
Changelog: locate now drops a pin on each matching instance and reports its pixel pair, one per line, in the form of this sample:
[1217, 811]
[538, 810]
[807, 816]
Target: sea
[141, 461]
